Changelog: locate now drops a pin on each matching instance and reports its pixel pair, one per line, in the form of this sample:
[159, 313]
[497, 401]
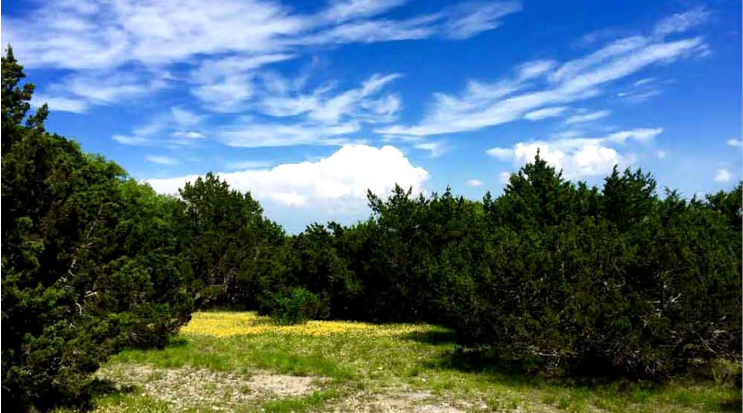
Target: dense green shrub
[89, 260]
[297, 306]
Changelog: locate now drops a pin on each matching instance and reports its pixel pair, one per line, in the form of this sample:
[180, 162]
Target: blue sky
[309, 104]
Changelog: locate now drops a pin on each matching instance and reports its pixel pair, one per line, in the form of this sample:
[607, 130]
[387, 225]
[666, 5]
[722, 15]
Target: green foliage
[555, 274]
[228, 244]
[611, 280]
[297, 306]
[89, 263]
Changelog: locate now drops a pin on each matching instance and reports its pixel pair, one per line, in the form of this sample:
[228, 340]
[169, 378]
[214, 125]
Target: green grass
[397, 370]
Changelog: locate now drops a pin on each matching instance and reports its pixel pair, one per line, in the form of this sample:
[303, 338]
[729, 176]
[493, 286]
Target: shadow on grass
[733, 405]
[105, 387]
[435, 338]
[177, 341]
[487, 364]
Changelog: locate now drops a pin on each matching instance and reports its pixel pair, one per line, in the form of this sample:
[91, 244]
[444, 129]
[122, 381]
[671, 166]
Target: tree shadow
[177, 341]
[733, 405]
[489, 365]
[106, 387]
[435, 338]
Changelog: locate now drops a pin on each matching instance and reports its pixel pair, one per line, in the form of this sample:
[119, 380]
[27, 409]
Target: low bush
[297, 306]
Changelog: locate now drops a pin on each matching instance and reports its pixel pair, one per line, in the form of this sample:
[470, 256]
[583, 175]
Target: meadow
[242, 362]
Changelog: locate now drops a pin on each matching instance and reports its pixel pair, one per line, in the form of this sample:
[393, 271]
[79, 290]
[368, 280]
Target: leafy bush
[297, 306]
[89, 260]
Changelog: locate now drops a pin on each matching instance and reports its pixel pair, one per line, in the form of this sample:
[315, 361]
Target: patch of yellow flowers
[226, 324]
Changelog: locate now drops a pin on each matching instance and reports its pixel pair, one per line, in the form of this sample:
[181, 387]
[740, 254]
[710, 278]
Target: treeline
[616, 279]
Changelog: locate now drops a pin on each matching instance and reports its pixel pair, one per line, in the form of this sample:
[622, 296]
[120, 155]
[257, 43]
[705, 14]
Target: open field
[241, 362]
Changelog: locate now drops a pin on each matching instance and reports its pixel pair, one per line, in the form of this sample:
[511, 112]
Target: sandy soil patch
[188, 387]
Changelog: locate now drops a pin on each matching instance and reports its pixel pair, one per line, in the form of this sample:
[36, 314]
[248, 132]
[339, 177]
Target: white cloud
[161, 160]
[372, 31]
[105, 35]
[165, 129]
[722, 175]
[254, 135]
[587, 117]
[185, 118]
[115, 49]
[661, 154]
[344, 10]
[435, 149]
[644, 81]
[131, 140]
[578, 157]
[338, 182]
[545, 113]
[470, 19]
[248, 165]
[60, 104]
[78, 92]
[474, 182]
[318, 106]
[504, 177]
[319, 117]
[226, 95]
[187, 135]
[483, 105]
[735, 142]
[681, 22]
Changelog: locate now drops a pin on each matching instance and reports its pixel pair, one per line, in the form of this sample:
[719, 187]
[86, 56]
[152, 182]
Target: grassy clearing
[241, 362]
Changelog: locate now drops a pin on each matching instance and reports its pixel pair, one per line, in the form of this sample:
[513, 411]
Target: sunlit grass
[370, 368]
[228, 324]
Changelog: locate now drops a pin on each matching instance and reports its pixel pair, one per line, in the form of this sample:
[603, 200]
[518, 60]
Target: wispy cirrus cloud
[61, 104]
[524, 94]
[324, 116]
[174, 128]
[161, 160]
[238, 35]
[470, 19]
[587, 117]
[250, 134]
[320, 105]
[79, 92]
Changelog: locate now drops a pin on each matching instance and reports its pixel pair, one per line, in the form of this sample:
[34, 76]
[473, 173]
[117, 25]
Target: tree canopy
[619, 279]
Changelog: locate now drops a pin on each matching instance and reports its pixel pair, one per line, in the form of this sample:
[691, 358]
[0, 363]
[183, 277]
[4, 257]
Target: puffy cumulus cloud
[474, 183]
[536, 89]
[722, 175]
[578, 157]
[338, 182]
